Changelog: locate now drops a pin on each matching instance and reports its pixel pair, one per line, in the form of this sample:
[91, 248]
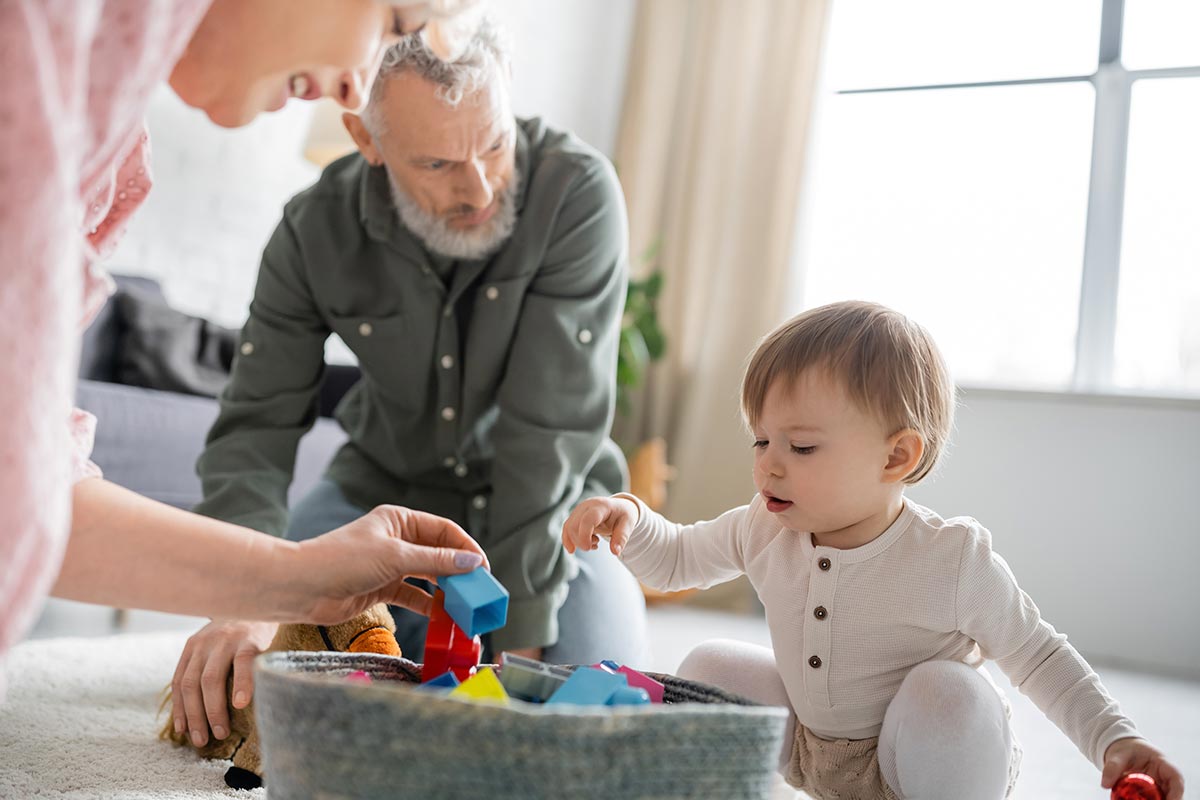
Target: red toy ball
[1136, 786]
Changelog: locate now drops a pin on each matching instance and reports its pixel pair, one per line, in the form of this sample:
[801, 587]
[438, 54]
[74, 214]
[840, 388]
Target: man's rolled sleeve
[556, 403]
[271, 399]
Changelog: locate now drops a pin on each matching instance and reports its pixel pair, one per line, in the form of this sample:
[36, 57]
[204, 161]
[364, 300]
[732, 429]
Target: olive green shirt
[488, 386]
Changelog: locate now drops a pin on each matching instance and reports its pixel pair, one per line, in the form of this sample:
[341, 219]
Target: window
[1023, 178]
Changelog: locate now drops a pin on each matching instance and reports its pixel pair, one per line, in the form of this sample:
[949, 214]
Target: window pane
[1158, 303]
[875, 44]
[1161, 33]
[965, 209]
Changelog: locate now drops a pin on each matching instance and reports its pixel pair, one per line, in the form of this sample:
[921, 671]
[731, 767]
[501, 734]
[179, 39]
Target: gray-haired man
[476, 264]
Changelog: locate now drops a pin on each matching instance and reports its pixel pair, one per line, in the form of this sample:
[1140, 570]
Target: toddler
[881, 613]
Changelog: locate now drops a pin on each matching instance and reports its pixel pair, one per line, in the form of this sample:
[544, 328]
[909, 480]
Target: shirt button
[815, 662]
[447, 362]
[461, 470]
[824, 564]
[448, 414]
[479, 502]
[492, 293]
[820, 613]
[449, 461]
[585, 336]
[247, 348]
[365, 329]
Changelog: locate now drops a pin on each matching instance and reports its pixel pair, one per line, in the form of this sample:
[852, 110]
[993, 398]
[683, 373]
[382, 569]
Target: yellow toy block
[483, 686]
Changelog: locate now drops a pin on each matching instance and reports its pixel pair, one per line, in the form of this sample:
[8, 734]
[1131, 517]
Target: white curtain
[711, 153]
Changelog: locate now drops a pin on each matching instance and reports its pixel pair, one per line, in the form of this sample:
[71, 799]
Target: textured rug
[80, 721]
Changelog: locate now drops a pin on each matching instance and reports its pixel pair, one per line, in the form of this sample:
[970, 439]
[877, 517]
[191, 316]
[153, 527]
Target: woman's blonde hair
[888, 364]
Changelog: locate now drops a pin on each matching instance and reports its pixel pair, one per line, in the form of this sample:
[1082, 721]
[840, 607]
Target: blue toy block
[629, 696]
[588, 686]
[447, 680]
[529, 679]
[475, 601]
[610, 665]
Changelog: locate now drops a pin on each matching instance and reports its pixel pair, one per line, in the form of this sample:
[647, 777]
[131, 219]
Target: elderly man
[476, 265]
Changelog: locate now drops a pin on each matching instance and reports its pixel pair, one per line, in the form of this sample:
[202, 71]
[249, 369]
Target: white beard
[470, 245]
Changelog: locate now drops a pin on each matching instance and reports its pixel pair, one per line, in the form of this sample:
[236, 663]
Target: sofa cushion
[98, 351]
[163, 348]
[148, 441]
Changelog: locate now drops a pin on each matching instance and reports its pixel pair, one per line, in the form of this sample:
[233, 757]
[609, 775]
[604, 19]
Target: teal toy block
[588, 686]
[529, 679]
[629, 696]
[475, 601]
[447, 680]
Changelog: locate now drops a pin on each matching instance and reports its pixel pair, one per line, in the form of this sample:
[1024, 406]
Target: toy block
[482, 686]
[588, 686]
[358, 676]
[652, 687]
[530, 679]
[447, 680]
[629, 696]
[447, 646]
[440, 633]
[610, 665]
[475, 600]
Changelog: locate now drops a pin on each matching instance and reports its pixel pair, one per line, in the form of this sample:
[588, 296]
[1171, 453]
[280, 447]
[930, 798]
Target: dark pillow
[161, 348]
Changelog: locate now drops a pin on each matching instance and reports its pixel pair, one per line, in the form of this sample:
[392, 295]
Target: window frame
[1096, 328]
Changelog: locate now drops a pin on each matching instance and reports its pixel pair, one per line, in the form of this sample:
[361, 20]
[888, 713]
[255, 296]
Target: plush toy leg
[246, 772]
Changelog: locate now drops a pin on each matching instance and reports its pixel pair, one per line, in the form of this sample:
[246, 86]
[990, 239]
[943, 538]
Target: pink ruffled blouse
[73, 168]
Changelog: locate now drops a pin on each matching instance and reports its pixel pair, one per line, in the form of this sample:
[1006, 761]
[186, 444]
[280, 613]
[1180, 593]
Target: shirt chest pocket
[494, 319]
[395, 360]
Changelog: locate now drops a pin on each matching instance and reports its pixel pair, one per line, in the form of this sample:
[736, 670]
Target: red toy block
[440, 634]
[465, 651]
[1136, 786]
[447, 647]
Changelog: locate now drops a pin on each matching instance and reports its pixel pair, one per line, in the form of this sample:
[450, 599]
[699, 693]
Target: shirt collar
[869, 550]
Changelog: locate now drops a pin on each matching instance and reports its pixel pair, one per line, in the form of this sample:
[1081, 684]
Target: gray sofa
[148, 439]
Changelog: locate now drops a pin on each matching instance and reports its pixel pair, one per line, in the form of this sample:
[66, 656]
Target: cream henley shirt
[848, 625]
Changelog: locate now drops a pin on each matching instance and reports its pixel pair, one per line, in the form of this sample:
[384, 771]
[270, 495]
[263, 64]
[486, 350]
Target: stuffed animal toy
[370, 632]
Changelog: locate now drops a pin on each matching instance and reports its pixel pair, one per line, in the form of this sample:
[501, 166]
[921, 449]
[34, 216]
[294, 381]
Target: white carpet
[79, 722]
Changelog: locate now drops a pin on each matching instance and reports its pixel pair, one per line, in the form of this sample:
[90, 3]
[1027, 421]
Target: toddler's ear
[905, 449]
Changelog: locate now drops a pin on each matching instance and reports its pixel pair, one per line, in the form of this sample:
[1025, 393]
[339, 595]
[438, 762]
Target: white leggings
[945, 733]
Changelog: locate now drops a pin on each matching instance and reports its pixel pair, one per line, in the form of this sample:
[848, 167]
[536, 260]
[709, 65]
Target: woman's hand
[342, 573]
[1135, 754]
[610, 517]
[199, 694]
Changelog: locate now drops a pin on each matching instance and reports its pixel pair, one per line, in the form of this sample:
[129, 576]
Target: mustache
[466, 210]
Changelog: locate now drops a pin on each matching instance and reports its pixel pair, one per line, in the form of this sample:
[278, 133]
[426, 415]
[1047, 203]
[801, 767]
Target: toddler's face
[819, 461]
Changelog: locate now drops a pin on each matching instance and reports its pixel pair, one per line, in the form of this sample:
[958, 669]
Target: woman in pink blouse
[73, 167]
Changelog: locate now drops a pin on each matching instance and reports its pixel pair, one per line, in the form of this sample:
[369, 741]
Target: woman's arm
[128, 551]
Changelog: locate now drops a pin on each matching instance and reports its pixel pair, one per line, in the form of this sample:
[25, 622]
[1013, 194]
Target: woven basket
[326, 737]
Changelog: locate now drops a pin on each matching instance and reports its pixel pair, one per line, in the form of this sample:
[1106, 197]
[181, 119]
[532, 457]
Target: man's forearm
[128, 551]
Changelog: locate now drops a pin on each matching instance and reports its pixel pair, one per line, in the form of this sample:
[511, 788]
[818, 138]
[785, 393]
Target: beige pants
[848, 769]
[841, 769]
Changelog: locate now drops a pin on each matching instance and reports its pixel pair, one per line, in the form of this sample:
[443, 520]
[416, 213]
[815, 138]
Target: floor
[1166, 710]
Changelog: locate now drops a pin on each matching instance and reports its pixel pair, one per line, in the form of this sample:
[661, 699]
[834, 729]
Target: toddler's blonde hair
[888, 364]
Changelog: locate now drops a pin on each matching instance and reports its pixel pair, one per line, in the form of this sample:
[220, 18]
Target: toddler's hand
[610, 517]
[1138, 755]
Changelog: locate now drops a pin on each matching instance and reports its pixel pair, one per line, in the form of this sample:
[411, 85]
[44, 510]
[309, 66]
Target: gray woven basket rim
[325, 674]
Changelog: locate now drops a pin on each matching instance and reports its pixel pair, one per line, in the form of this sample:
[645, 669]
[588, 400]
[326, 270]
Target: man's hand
[342, 573]
[198, 690]
[610, 517]
[1137, 755]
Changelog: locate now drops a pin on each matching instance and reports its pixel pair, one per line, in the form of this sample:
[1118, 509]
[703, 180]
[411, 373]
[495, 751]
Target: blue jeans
[604, 615]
